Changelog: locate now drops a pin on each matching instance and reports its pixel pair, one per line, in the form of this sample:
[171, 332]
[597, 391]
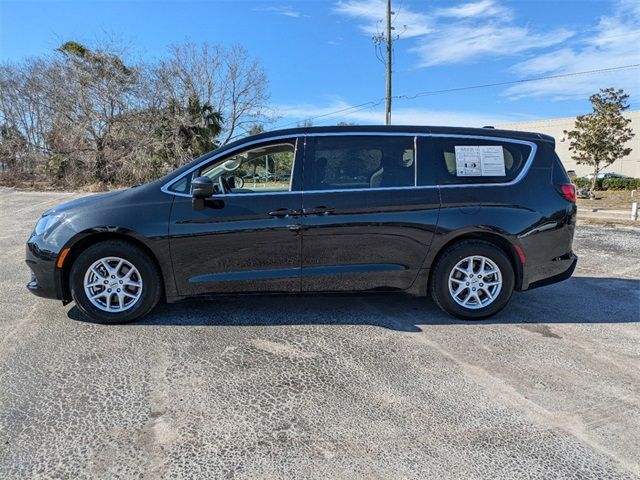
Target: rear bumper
[566, 267]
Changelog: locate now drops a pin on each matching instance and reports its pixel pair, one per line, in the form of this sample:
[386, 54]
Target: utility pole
[388, 65]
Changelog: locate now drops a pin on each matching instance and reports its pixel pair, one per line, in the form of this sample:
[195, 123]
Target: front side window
[258, 170]
[346, 162]
[470, 160]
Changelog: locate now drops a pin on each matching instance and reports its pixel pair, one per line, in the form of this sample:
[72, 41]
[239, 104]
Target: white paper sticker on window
[468, 161]
[486, 161]
[492, 161]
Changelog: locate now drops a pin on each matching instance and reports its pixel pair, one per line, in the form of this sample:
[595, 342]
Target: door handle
[321, 210]
[285, 212]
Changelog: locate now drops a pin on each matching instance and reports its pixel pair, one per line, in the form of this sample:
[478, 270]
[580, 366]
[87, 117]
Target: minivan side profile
[466, 214]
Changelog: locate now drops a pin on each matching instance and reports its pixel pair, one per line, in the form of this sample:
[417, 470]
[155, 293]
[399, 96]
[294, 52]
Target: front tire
[472, 280]
[115, 282]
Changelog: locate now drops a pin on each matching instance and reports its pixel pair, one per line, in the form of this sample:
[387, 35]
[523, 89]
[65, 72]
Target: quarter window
[345, 163]
[470, 160]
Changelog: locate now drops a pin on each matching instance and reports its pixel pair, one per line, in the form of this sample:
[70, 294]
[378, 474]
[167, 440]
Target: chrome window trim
[310, 192]
[293, 167]
[375, 189]
[296, 138]
[415, 160]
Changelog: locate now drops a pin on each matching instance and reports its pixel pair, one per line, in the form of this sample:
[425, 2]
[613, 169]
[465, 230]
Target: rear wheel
[472, 280]
[115, 282]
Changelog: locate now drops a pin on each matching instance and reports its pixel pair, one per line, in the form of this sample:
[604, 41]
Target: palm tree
[205, 126]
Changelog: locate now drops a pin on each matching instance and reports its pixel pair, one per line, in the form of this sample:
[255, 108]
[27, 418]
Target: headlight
[46, 222]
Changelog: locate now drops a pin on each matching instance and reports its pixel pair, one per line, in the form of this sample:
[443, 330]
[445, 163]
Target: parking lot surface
[354, 386]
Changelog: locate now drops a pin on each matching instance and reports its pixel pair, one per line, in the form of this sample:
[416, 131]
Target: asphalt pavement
[352, 386]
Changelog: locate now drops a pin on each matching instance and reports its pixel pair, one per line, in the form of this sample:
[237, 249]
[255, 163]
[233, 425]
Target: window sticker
[468, 161]
[485, 161]
[492, 161]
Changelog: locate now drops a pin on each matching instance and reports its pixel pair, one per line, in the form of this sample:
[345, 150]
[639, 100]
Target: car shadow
[577, 300]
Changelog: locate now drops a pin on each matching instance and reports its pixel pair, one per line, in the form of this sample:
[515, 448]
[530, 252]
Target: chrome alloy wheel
[475, 282]
[113, 284]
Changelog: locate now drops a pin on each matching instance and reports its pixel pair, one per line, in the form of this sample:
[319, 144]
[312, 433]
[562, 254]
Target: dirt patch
[610, 199]
[542, 329]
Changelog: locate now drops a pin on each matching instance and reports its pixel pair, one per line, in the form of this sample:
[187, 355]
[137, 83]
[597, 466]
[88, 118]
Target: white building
[555, 127]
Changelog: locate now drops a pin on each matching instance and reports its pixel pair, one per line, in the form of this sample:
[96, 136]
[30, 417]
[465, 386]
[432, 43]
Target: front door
[247, 238]
[367, 225]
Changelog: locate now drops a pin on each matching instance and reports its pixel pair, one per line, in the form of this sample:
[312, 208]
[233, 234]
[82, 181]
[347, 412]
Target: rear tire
[472, 280]
[115, 282]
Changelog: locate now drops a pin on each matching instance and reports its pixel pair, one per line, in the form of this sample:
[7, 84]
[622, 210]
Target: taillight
[568, 191]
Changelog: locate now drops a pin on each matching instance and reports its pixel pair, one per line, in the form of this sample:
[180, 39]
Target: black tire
[439, 284]
[151, 281]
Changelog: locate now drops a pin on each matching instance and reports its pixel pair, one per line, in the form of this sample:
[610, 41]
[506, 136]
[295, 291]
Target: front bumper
[45, 278]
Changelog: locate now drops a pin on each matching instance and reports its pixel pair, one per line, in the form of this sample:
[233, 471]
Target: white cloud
[474, 9]
[372, 13]
[614, 43]
[374, 115]
[463, 42]
[282, 10]
[464, 32]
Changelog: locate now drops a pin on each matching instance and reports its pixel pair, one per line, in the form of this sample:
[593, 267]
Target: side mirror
[235, 182]
[201, 187]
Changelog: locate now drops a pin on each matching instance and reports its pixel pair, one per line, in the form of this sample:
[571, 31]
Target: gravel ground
[382, 386]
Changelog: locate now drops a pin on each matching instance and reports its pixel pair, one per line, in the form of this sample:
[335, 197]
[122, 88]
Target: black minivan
[467, 214]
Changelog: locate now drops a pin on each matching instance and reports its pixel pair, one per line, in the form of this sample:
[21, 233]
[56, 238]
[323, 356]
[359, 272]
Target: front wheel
[472, 280]
[115, 282]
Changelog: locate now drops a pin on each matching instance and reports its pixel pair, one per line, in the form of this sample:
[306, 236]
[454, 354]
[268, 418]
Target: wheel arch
[85, 240]
[492, 237]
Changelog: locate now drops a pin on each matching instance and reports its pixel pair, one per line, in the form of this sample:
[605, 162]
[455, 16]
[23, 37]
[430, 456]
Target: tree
[13, 145]
[599, 137]
[89, 116]
[228, 80]
[23, 107]
[100, 92]
[256, 129]
[187, 131]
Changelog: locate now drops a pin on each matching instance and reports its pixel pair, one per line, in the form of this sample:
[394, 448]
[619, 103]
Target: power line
[514, 82]
[371, 103]
[374, 103]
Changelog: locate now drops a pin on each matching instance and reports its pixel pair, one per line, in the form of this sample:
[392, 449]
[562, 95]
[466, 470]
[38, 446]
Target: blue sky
[319, 56]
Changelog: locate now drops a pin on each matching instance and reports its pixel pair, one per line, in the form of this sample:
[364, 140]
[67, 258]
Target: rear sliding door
[366, 225]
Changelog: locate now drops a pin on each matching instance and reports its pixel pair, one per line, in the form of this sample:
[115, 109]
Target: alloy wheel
[475, 282]
[113, 284]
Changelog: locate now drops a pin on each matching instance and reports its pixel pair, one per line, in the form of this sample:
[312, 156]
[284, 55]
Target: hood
[86, 201]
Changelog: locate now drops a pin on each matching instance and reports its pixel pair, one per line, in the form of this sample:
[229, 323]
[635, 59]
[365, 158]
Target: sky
[320, 58]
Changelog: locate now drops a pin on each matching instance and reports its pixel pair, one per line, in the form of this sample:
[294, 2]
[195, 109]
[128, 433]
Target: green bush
[609, 183]
[582, 182]
[621, 184]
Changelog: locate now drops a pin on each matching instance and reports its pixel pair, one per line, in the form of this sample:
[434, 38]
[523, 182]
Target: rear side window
[346, 162]
[470, 160]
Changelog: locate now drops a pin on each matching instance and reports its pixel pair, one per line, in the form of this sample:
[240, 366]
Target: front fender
[157, 247]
